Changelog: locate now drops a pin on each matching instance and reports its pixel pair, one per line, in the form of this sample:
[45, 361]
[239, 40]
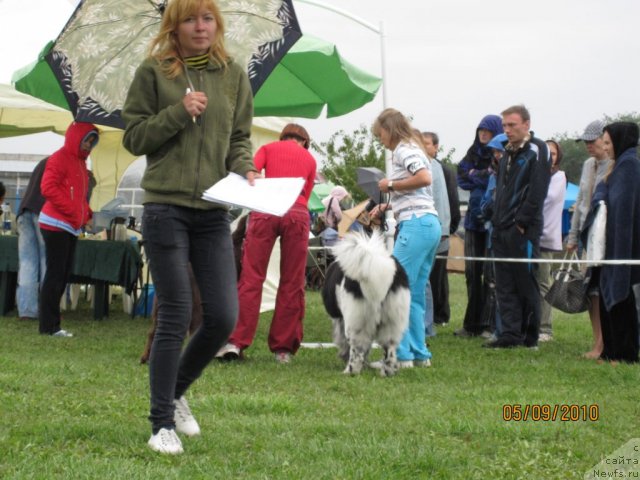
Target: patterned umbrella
[98, 51]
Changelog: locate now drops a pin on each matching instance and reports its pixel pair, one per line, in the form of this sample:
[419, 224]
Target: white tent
[22, 114]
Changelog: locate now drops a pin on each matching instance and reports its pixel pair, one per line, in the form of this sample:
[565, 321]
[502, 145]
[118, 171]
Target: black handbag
[568, 291]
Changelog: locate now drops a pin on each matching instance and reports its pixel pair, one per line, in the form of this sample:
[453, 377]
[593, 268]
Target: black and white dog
[366, 294]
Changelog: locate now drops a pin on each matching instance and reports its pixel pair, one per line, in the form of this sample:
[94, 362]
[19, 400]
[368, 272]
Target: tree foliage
[343, 153]
[575, 153]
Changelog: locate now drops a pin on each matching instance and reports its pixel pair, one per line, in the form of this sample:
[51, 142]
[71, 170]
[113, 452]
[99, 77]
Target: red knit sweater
[287, 158]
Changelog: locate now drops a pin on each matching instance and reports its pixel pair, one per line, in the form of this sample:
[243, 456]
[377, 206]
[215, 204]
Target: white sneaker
[486, 334]
[422, 363]
[166, 441]
[228, 352]
[545, 337]
[185, 422]
[283, 357]
[405, 364]
[62, 333]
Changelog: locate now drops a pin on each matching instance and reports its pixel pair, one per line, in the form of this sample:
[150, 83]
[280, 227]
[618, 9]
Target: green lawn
[76, 408]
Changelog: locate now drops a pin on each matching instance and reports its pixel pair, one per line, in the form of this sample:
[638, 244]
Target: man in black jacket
[523, 180]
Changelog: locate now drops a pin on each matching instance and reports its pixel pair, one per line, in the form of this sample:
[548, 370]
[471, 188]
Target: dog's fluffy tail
[367, 261]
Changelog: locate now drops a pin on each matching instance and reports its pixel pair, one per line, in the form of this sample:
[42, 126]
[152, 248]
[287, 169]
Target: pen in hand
[193, 119]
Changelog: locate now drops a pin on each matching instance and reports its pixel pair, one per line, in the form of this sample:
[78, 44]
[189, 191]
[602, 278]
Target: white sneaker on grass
[185, 422]
[283, 357]
[405, 363]
[62, 333]
[166, 441]
[422, 363]
[228, 352]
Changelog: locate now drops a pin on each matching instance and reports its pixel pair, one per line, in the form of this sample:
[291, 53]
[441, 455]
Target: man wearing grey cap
[593, 171]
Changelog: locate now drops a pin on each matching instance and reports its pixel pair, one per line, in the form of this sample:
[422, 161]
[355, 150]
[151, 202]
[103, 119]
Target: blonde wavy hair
[398, 126]
[164, 47]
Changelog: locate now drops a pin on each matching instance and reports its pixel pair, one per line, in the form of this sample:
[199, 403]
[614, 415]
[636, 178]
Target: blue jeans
[33, 264]
[175, 236]
[415, 249]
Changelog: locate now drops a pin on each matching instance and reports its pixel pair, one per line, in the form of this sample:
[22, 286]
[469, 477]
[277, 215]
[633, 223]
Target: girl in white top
[551, 238]
[418, 228]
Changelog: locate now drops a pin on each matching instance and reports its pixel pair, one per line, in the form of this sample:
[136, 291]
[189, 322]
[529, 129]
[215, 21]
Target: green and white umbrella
[311, 76]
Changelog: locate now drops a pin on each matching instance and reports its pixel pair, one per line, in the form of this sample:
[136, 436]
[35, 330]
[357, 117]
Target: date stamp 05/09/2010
[568, 412]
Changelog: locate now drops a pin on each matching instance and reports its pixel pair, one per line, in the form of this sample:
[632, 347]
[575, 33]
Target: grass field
[76, 408]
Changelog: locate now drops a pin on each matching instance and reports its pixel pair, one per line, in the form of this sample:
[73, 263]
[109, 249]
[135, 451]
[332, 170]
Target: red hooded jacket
[65, 182]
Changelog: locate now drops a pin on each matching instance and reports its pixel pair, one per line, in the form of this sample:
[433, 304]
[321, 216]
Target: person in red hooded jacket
[65, 187]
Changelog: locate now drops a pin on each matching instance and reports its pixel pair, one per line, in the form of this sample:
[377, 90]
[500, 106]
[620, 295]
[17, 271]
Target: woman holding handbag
[593, 171]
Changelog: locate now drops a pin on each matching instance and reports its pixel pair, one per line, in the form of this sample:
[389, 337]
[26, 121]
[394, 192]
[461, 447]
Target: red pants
[285, 333]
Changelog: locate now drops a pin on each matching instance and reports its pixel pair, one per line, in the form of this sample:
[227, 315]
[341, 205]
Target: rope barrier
[541, 260]
[522, 260]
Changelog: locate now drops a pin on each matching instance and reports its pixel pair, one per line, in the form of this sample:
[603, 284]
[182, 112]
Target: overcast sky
[448, 62]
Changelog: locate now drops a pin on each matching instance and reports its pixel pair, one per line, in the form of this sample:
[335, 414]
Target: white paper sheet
[269, 195]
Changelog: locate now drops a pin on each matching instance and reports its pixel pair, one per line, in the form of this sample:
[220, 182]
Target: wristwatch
[390, 185]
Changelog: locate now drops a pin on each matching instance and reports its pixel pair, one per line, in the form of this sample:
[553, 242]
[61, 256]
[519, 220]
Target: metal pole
[390, 219]
[383, 58]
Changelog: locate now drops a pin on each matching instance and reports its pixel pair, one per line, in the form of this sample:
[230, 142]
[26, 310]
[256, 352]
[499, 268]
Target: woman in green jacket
[189, 110]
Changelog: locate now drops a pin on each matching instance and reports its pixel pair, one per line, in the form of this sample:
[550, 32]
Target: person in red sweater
[65, 187]
[288, 157]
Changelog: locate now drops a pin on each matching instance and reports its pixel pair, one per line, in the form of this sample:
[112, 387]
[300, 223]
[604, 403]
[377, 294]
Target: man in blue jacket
[523, 180]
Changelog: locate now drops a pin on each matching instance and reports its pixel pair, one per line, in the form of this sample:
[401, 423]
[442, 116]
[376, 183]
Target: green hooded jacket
[185, 158]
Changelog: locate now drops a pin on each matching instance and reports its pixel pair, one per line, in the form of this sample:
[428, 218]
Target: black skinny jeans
[175, 236]
[475, 245]
[60, 247]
